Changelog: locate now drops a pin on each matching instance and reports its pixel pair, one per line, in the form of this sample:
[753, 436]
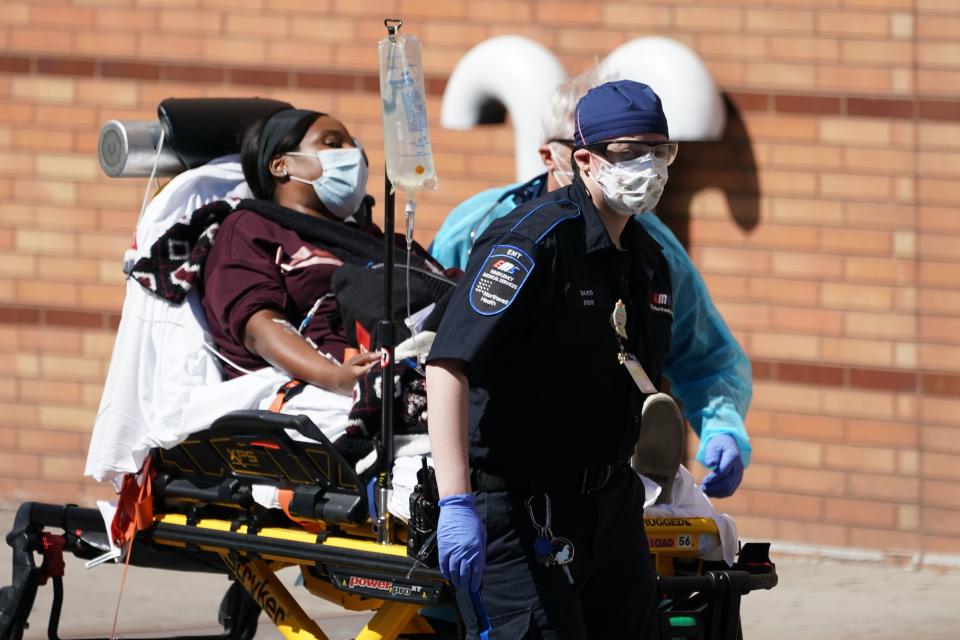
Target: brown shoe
[659, 450]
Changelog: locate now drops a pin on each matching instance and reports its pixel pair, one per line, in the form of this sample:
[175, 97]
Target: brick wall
[826, 221]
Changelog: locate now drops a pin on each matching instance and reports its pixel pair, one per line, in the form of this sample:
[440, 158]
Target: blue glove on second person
[461, 542]
[723, 456]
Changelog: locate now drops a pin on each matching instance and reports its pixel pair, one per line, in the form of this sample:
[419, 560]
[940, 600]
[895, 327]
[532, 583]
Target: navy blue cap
[619, 108]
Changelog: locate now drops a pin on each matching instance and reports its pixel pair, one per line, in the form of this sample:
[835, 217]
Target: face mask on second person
[632, 186]
[343, 184]
[562, 171]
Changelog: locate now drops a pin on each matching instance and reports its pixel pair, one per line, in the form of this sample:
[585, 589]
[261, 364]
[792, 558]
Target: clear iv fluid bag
[406, 135]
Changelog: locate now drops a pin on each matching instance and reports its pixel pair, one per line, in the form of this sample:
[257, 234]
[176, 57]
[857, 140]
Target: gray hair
[557, 117]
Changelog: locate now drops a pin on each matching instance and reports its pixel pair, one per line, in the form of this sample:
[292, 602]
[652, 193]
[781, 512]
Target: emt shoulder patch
[500, 279]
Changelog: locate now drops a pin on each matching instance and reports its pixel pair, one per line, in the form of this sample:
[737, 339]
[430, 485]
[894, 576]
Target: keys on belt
[549, 549]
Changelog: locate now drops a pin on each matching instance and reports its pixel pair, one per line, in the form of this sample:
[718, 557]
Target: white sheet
[162, 383]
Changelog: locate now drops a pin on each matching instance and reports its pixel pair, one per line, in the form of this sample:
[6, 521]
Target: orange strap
[286, 392]
[284, 496]
[123, 583]
[135, 507]
[134, 513]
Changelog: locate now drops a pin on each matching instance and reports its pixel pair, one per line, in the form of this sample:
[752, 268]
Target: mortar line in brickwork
[863, 378]
[917, 263]
[749, 100]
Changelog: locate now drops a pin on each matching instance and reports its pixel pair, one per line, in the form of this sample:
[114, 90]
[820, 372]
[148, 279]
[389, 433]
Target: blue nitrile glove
[461, 542]
[723, 456]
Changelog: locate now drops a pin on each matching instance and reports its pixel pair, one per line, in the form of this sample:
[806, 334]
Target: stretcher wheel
[238, 613]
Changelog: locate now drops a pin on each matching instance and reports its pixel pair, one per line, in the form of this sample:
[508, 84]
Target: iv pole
[387, 345]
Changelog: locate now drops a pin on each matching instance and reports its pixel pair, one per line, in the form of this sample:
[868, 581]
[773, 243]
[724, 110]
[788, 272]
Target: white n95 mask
[632, 186]
[343, 184]
[562, 171]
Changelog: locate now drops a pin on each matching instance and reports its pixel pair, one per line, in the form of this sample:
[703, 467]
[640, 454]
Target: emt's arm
[269, 334]
[448, 393]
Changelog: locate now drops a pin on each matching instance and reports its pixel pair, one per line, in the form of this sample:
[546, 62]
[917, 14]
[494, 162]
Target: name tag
[582, 297]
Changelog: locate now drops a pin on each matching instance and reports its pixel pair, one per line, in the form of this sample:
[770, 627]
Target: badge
[619, 319]
[500, 279]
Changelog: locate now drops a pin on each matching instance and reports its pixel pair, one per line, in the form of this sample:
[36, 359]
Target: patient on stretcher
[231, 297]
[269, 282]
[261, 277]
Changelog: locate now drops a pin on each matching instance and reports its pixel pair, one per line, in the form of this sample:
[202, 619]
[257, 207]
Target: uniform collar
[595, 234]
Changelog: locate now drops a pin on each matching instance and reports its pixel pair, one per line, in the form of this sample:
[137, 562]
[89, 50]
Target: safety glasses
[625, 150]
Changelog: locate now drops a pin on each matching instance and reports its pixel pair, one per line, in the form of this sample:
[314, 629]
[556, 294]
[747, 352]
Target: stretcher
[196, 511]
[205, 519]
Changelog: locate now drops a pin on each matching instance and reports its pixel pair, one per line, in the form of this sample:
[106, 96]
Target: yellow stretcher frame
[257, 575]
[669, 538]
[346, 567]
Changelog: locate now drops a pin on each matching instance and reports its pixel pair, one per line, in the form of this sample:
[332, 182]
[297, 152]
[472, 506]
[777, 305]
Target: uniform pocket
[511, 626]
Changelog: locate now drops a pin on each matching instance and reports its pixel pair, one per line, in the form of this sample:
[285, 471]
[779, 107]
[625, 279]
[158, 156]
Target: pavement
[816, 599]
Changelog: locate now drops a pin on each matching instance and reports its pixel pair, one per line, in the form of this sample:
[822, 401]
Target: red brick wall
[826, 222]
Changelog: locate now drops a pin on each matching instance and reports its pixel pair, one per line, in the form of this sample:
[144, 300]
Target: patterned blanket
[175, 260]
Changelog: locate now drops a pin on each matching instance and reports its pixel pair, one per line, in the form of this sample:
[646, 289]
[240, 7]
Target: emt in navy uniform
[536, 380]
[708, 372]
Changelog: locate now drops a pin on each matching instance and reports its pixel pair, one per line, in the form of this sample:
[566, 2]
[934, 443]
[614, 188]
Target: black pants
[614, 590]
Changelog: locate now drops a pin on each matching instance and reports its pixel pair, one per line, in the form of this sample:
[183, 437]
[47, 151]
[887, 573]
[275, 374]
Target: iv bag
[406, 136]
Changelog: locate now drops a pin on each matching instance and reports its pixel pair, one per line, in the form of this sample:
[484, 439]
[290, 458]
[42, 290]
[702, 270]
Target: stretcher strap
[284, 496]
[123, 583]
[134, 513]
[135, 507]
[286, 392]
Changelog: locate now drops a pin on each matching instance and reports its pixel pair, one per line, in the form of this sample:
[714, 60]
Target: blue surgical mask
[343, 184]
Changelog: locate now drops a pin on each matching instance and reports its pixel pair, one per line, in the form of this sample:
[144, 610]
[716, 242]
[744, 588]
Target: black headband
[274, 131]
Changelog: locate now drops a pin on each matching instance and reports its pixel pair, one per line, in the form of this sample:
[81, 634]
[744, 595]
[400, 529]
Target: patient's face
[326, 133]
[327, 143]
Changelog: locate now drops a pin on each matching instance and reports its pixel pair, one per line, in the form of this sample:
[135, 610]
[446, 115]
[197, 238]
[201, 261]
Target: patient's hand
[352, 369]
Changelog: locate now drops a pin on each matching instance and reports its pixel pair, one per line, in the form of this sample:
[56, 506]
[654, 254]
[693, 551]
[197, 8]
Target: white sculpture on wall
[521, 74]
[690, 98]
[517, 72]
